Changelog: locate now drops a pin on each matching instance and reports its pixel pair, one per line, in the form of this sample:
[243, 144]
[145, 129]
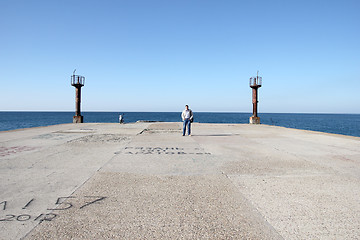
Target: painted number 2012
[26, 217]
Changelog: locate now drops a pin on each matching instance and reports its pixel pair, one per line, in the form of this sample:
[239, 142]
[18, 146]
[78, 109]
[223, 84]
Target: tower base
[78, 119]
[254, 120]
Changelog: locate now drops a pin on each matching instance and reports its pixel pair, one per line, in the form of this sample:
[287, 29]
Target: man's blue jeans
[187, 124]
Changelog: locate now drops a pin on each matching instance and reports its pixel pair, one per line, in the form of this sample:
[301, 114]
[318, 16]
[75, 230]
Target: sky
[152, 55]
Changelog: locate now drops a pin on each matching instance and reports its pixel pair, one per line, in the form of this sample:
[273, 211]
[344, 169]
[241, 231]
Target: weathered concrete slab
[159, 207]
[147, 181]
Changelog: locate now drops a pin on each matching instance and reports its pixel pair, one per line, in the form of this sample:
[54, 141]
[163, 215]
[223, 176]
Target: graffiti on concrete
[61, 204]
[165, 150]
[7, 151]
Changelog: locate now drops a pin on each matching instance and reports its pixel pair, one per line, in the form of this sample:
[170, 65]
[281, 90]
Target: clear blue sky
[150, 55]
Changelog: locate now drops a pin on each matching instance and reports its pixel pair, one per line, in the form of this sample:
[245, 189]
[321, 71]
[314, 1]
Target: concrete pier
[147, 181]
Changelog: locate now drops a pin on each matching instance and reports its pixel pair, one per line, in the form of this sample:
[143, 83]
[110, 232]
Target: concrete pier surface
[147, 181]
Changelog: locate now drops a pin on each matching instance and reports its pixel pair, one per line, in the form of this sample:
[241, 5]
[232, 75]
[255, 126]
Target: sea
[345, 124]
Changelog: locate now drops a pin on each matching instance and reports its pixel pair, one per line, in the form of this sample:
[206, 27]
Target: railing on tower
[77, 80]
[255, 81]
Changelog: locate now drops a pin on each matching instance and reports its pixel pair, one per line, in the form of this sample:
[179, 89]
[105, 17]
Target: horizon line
[176, 112]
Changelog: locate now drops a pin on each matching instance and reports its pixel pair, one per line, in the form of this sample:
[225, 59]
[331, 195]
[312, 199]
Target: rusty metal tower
[77, 81]
[255, 83]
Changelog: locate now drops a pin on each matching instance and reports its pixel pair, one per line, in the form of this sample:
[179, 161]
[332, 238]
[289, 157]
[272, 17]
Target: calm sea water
[346, 124]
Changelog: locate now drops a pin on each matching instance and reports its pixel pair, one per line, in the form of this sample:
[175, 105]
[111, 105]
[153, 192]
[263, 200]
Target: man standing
[187, 117]
[121, 118]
